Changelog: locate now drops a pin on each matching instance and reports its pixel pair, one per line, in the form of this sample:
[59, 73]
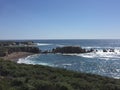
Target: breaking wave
[107, 54]
[31, 60]
[42, 44]
[102, 61]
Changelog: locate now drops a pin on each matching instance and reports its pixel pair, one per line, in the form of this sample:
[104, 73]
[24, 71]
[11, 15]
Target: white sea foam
[118, 70]
[108, 55]
[98, 47]
[42, 44]
[60, 45]
[67, 64]
[45, 64]
[69, 54]
[27, 60]
[89, 47]
[116, 77]
[30, 60]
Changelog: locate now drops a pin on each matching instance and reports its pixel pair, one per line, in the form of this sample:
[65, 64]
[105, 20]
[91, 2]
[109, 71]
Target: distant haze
[59, 19]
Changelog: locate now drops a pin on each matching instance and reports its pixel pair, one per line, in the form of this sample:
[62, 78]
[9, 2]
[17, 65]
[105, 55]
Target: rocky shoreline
[11, 50]
[14, 50]
[16, 55]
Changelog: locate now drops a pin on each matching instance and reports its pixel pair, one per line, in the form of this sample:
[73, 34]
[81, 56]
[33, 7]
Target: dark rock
[111, 50]
[104, 50]
[45, 52]
[69, 49]
[91, 50]
[8, 47]
[2, 54]
[8, 50]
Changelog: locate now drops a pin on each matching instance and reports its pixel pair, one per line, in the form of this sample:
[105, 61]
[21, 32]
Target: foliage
[36, 77]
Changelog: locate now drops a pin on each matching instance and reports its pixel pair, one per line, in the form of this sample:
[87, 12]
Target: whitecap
[67, 64]
[118, 70]
[69, 54]
[25, 61]
[31, 60]
[28, 59]
[89, 47]
[45, 64]
[42, 44]
[87, 55]
[100, 54]
[116, 77]
[60, 45]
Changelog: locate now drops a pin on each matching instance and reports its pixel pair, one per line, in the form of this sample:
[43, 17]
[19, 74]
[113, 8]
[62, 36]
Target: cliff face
[69, 49]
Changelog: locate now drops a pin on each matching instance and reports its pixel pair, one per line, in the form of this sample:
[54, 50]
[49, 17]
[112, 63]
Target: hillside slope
[35, 77]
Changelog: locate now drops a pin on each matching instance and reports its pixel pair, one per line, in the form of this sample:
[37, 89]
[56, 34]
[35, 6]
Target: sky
[59, 19]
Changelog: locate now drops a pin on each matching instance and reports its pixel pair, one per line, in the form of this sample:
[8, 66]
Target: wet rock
[111, 50]
[104, 50]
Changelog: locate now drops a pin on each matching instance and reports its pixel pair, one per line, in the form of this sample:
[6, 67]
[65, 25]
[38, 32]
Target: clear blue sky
[59, 19]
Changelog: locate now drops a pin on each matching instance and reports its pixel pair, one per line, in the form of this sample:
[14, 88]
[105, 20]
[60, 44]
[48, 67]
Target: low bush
[15, 76]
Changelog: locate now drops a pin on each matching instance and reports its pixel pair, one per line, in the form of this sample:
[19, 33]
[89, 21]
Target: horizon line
[60, 39]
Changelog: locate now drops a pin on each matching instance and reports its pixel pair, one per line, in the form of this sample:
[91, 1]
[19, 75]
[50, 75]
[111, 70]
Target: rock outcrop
[69, 49]
[8, 47]
[8, 50]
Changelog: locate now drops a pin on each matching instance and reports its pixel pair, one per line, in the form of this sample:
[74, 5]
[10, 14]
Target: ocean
[97, 62]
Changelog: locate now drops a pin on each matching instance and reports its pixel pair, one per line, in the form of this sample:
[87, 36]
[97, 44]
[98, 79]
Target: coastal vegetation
[15, 76]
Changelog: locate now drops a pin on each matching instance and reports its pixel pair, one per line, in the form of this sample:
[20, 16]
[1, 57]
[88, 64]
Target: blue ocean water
[98, 62]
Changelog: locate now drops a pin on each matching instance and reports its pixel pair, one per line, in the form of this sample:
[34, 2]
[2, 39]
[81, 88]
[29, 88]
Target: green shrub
[36, 77]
